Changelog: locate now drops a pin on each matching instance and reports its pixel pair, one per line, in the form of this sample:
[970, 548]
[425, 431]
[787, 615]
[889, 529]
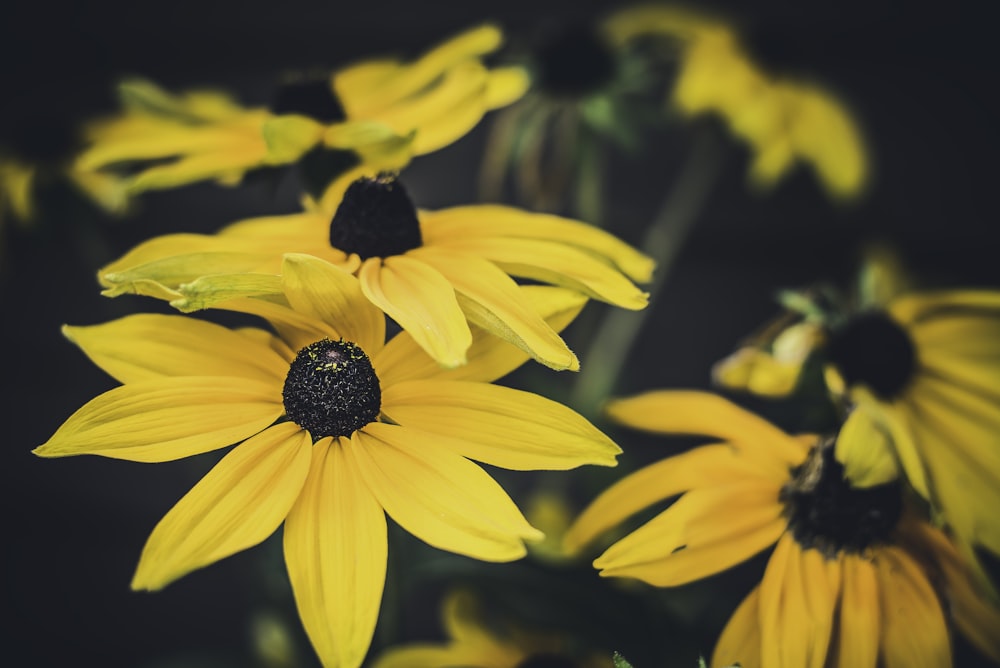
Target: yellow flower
[16, 181]
[379, 112]
[433, 272]
[473, 643]
[783, 121]
[335, 428]
[855, 578]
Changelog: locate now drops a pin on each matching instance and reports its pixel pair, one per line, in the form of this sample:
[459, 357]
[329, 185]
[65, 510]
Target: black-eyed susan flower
[587, 93]
[378, 112]
[917, 375]
[783, 121]
[335, 428]
[856, 578]
[477, 641]
[433, 272]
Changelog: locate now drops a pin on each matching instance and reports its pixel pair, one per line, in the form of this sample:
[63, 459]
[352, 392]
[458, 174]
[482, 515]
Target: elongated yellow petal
[440, 497]
[322, 291]
[498, 425]
[506, 85]
[214, 289]
[155, 249]
[706, 465]
[865, 450]
[147, 345]
[689, 540]
[798, 596]
[857, 641]
[557, 264]
[739, 644]
[169, 418]
[464, 83]
[187, 170]
[296, 329]
[921, 306]
[493, 301]
[307, 232]
[897, 419]
[162, 278]
[701, 413]
[488, 221]
[422, 301]
[450, 124]
[287, 138]
[335, 551]
[954, 333]
[914, 632]
[353, 82]
[490, 357]
[239, 503]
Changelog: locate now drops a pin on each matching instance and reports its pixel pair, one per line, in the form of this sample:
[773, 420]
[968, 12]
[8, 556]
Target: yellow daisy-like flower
[335, 428]
[919, 376]
[855, 578]
[472, 643]
[433, 272]
[379, 112]
[783, 121]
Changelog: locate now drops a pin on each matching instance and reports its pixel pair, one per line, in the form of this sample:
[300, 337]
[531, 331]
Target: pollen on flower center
[331, 389]
[546, 660]
[826, 513]
[573, 61]
[874, 350]
[376, 218]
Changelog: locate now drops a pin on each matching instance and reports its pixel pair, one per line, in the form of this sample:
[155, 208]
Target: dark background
[920, 76]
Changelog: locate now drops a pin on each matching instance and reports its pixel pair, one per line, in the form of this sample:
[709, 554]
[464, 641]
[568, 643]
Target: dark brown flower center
[546, 660]
[875, 350]
[573, 61]
[331, 389]
[826, 513]
[376, 218]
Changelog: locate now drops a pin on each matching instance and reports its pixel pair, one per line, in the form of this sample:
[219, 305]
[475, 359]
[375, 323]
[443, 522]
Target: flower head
[474, 641]
[334, 428]
[855, 578]
[377, 112]
[433, 272]
[783, 121]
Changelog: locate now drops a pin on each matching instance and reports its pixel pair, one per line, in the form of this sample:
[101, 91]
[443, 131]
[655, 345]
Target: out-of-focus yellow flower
[856, 578]
[475, 643]
[380, 112]
[767, 366]
[783, 121]
[433, 272]
[16, 181]
[335, 428]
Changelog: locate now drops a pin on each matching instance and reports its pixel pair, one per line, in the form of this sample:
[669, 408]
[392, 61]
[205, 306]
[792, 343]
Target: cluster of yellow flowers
[877, 525]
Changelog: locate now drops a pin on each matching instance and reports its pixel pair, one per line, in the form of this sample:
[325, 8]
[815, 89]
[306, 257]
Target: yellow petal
[691, 540]
[461, 85]
[920, 306]
[914, 632]
[896, 419]
[857, 641]
[239, 503]
[754, 370]
[640, 20]
[498, 425]
[488, 221]
[827, 136]
[289, 137]
[320, 290]
[422, 301]
[215, 289]
[296, 329]
[198, 167]
[798, 596]
[16, 186]
[336, 549]
[506, 85]
[739, 644]
[697, 468]
[489, 357]
[440, 497]
[866, 452]
[143, 346]
[167, 418]
[701, 413]
[493, 301]
[554, 263]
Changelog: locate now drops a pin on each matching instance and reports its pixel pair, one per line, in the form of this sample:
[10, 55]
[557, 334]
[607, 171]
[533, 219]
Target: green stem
[605, 356]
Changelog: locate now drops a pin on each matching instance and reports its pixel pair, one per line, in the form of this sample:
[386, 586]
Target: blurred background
[920, 78]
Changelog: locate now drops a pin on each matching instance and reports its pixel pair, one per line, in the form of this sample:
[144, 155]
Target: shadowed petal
[440, 497]
[239, 503]
[167, 418]
[336, 550]
[857, 641]
[739, 643]
[914, 632]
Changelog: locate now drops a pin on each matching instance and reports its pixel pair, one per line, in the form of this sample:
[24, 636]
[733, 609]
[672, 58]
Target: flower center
[312, 95]
[376, 219]
[824, 512]
[546, 660]
[873, 349]
[573, 61]
[331, 389]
